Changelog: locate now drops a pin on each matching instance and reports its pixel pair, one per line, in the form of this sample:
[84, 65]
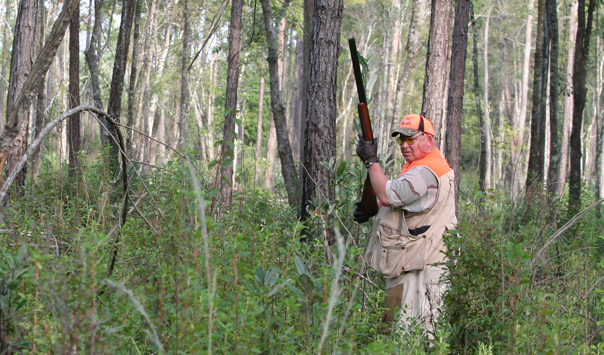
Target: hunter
[415, 210]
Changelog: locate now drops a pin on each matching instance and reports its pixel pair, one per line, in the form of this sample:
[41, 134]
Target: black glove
[367, 150]
[359, 216]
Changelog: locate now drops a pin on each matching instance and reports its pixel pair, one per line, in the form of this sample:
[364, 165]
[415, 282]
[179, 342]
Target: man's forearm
[378, 181]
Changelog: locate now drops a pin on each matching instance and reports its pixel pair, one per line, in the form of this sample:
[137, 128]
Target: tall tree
[486, 130]
[184, 79]
[93, 57]
[536, 162]
[554, 93]
[114, 105]
[230, 106]
[567, 111]
[73, 124]
[580, 68]
[288, 167]
[456, 89]
[41, 95]
[22, 60]
[435, 81]
[4, 53]
[133, 83]
[259, 128]
[320, 140]
[483, 141]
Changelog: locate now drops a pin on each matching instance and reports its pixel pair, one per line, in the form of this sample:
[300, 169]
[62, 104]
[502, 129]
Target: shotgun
[368, 203]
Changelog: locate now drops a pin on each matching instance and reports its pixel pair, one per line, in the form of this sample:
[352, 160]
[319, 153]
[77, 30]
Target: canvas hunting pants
[415, 294]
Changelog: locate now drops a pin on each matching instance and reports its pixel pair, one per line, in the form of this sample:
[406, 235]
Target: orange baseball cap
[412, 125]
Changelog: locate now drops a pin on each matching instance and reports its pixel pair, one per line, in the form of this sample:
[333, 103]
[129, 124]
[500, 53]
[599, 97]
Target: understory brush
[190, 276]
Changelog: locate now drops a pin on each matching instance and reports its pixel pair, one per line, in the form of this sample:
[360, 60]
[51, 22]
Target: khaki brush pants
[414, 294]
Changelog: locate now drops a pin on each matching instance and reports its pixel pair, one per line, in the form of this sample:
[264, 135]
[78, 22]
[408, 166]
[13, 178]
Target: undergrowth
[241, 281]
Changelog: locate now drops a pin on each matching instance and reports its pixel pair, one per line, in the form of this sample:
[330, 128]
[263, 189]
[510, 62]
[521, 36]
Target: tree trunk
[184, 80]
[412, 48]
[132, 85]
[41, 96]
[579, 97]
[487, 131]
[517, 159]
[73, 124]
[568, 99]
[288, 167]
[320, 130]
[4, 55]
[456, 90]
[536, 163]
[226, 171]
[296, 102]
[259, 129]
[483, 149]
[20, 67]
[271, 146]
[93, 57]
[114, 105]
[554, 148]
[437, 57]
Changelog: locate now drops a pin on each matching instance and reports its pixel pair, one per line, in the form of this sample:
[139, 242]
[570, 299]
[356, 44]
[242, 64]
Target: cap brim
[405, 132]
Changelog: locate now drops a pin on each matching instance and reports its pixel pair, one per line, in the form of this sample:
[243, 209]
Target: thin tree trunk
[579, 97]
[554, 161]
[41, 95]
[536, 163]
[184, 80]
[568, 99]
[412, 48]
[288, 167]
[271, 147]
[132, 119]
[114, 104]
[488, 146]
[517, 160]
[483, 150]
[296, 101]
[93, 55]
[435, 82]
[456, 90]
[259, 128]
[73, 124]
[226, 172]
[4, 55]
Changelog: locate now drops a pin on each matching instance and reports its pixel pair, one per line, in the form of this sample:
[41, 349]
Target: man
[416, 209]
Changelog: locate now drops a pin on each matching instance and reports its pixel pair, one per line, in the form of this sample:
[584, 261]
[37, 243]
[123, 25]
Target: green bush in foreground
[242, 282]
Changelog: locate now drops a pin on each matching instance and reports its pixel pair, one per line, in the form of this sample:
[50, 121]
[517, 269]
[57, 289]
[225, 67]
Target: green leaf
[260, 276]
[302, 269]
[271, 277]
[276, 289]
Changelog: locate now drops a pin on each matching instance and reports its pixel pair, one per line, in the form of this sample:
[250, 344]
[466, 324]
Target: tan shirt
[415, 191]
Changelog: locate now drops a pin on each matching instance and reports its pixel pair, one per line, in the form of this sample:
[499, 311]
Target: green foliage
[256, 288]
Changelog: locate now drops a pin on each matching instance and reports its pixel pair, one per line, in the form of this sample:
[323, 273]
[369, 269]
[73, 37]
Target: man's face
[415, 148]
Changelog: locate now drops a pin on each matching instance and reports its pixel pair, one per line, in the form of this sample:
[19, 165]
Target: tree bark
[114, 104]
[73, 124]
[288, 167]
[456, 90]
[320, 129]
[228, 139]
[554, 92]
[483, 149]
[536, 163]
[437, 57]
[568, 99]
[20, 67]
[259, 129]
[579, 98]
[4, 55]
[517, 159]
[93, 55]
[131, 146]
[41, 96]
[486, 128]
[184, 80]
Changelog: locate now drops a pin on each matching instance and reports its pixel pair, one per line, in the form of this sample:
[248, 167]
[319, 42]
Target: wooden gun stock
[368, 205]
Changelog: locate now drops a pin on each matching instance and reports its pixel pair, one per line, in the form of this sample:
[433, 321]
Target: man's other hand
[359, 216]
